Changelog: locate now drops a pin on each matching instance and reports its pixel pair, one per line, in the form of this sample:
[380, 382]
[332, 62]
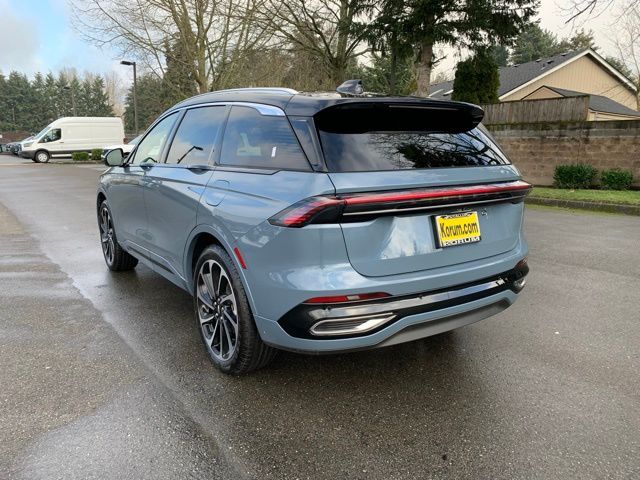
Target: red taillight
[412, 195]
[348, 298]
[301, 213]
[329, 209]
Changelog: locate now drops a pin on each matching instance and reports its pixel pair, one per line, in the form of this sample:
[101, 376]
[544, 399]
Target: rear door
[415, 176]
[173, 188]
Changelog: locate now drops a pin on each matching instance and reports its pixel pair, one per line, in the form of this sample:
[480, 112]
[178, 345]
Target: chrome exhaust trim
[349, 326]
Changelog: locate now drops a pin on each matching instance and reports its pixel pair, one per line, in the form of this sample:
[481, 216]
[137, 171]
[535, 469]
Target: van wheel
[41, 156]
[223, 316]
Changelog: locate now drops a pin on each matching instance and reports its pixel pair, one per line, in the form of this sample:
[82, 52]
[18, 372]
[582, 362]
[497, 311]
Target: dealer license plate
[458, 229]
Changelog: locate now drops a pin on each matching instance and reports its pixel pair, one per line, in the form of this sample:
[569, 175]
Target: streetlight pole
[135, 87]
[73, 98]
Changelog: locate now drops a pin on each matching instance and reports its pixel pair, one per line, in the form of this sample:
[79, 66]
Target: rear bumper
[358, 318]
[408, 328]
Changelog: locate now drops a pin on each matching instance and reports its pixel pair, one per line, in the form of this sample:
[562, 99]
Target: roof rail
[283, 90]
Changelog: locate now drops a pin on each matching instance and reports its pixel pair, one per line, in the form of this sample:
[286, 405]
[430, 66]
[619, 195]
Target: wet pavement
[104, 375]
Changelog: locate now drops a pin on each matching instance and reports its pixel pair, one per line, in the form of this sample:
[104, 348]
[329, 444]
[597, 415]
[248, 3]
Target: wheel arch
[202, 237]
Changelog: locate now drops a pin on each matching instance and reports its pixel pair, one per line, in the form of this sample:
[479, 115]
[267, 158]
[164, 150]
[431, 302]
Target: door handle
[198, 168]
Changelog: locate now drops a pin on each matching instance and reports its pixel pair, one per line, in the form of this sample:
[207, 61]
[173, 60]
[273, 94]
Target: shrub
[574, 176]
[616, 179]
[80, 156]
[96, 154]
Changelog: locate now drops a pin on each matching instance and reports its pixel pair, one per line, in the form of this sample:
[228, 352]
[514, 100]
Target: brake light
[348, 298]
[302, 213]
[410, 195]
[329, 209]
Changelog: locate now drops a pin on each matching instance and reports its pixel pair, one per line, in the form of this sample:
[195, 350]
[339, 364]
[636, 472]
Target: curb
[583, 205]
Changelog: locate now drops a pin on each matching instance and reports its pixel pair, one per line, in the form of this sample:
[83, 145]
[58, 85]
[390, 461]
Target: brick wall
[537, 148]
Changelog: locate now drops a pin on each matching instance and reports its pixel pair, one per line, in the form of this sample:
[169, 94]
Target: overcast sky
[36, 35]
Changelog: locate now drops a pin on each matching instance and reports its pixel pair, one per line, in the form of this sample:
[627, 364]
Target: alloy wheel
[106, 235]
[217, 310]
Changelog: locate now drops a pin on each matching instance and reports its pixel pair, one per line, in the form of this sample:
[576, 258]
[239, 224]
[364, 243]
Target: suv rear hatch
[422, 185]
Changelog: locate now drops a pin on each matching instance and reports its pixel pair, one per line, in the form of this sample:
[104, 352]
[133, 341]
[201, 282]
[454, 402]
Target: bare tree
[327, 29]
[627, 42]
[211, 33]
[116, 92]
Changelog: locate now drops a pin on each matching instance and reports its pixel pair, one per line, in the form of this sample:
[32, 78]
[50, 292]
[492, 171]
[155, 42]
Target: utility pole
[135, 87]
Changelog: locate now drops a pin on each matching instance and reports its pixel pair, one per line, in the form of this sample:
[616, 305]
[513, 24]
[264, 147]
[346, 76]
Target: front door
[126, 192]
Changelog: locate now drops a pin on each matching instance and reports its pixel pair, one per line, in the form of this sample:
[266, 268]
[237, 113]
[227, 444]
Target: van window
[196, 136]
[52, 135]
[255, 140]
[150, 148]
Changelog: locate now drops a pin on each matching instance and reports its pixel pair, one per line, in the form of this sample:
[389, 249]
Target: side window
[52, 135]
[150, 148]
[255, 140]
[196, 136]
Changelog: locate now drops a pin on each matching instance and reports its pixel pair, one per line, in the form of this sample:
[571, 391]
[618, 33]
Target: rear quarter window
[263, 141]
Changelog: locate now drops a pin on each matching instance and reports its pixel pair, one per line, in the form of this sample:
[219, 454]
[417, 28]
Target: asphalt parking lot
[104, 376]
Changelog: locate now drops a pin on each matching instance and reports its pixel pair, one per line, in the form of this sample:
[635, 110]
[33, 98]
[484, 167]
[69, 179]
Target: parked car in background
[18, 146]
[317, 223]
[125, 147]
[73, 134]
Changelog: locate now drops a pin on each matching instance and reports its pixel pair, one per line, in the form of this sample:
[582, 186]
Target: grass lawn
[620, 197]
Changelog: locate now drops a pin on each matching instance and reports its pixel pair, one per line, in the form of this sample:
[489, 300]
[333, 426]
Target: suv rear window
[375, 137]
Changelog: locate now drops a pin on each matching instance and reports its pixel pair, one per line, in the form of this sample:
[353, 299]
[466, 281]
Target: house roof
[514, 77]
[598, 103]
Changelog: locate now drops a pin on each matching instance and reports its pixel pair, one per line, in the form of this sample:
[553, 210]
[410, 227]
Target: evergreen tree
[150, 103]
[100, 106]
[389, 38]
[501, 55]
[535, 42]
[475, 24]
[50, 101]
[477, 80]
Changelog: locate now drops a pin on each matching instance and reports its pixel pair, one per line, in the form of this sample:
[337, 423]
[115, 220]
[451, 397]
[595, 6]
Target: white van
[73, 134]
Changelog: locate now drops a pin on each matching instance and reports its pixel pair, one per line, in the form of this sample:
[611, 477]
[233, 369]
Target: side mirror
[114, 158]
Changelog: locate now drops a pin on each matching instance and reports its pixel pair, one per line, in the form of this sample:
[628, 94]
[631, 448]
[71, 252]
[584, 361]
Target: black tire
[115, 257]
[249, 352]
[41, 156]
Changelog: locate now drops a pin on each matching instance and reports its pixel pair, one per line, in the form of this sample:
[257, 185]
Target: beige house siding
[541, 94]
[594, 116]
[582, 75]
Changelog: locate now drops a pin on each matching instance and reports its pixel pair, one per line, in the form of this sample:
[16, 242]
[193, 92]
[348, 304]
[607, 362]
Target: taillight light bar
[329, 209]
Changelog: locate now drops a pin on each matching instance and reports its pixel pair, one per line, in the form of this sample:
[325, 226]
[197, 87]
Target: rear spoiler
[353, 115]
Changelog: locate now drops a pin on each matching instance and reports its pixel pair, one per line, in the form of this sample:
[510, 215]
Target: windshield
[41, 134]
[375, 151]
